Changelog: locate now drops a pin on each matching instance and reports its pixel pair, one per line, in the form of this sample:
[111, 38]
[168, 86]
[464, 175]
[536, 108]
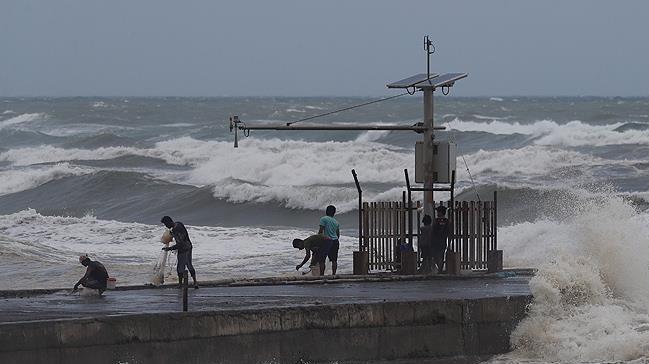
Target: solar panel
[411, 81]
[446, 79]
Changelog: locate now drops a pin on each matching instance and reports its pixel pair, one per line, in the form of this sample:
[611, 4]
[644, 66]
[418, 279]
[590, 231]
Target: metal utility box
[444, 154]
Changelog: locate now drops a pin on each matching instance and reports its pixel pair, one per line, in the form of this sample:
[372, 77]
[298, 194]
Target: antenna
[427, 45]
[234, 124]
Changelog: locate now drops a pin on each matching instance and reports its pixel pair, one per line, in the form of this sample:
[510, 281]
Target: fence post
[360, 211]
[495, 257]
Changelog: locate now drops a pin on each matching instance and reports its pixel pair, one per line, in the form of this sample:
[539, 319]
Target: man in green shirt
[317, 244]
[330, 228]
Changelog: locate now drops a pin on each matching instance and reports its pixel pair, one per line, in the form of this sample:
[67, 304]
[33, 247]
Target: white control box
[444, 154]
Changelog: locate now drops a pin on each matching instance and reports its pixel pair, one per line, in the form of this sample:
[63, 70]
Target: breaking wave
[571, 134]
[20, 119]
[590, 292]
[16, 180]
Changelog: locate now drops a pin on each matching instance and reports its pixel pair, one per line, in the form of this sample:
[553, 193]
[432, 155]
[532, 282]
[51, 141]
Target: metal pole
[185, 284]
[495, 220]
[360, 211]
[428, 151]
[405, 171]
[451, 213]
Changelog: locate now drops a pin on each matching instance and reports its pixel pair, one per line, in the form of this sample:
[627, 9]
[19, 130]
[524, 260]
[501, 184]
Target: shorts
[333, 252]
[321, 254]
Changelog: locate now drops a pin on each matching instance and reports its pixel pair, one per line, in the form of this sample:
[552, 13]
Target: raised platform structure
[344, 320]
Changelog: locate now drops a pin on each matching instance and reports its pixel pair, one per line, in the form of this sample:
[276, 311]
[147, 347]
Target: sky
[321, 48]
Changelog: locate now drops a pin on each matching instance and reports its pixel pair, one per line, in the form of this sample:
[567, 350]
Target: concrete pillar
[494, 261]
[361, 263]
[453, 263]
[408, 263]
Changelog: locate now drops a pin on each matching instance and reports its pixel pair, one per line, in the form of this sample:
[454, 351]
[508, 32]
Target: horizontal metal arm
[338, 127]
[420, 189]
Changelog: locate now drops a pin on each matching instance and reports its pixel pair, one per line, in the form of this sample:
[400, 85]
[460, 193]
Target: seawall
[361, 332]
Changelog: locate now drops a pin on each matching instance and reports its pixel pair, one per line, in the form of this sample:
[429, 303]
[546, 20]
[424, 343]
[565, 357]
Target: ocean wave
[100, 140]
[16, 180]
[130, 250]
[572, 134]
[590, 291]
[69, 130]
[547, 167]
[22, 118]
[302, 174]
[294, 197]
[372, 135]
[50, 154]
[286, 162]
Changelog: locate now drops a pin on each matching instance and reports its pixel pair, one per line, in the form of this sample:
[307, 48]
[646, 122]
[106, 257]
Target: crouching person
[96, 276]
[317, 244]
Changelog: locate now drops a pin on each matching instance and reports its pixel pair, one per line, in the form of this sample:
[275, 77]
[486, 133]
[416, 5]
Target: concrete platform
[61, 304]
[342, 320]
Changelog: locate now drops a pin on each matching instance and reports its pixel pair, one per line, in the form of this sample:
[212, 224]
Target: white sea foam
[51, 245]
[82, 129]
[548, 132]
[530, 161]
[22, 118]
[49, 154]
[100, 105]
[286, 162]
[590, 292]
[499, 99]
[486, 117]
[22, 179]
[8, 112]
[304, 174]
[372, 135]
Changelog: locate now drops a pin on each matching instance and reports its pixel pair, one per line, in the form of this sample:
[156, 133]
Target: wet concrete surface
[61, 305]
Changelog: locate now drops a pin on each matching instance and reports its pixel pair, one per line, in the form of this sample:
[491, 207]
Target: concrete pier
[281, 323]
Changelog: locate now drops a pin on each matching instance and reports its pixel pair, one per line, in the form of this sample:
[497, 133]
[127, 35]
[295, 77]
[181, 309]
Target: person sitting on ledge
[319, 245]
[96, 275]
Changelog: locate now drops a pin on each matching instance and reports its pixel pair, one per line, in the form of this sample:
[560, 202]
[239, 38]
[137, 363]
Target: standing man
[330, 228]
[184, 247]
[96, 275]
[440, 235]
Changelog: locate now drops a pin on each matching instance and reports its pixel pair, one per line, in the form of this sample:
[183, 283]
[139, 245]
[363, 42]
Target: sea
[95, 175]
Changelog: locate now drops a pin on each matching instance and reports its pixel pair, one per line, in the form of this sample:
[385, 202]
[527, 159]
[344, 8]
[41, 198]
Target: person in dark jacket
[440, 236]
[183, 246]
[425, 243]
[96, 275]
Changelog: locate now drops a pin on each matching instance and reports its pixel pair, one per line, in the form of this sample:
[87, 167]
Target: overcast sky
[320, 48]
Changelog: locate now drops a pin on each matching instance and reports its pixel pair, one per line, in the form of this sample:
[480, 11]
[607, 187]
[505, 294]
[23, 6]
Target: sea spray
[591, 289]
